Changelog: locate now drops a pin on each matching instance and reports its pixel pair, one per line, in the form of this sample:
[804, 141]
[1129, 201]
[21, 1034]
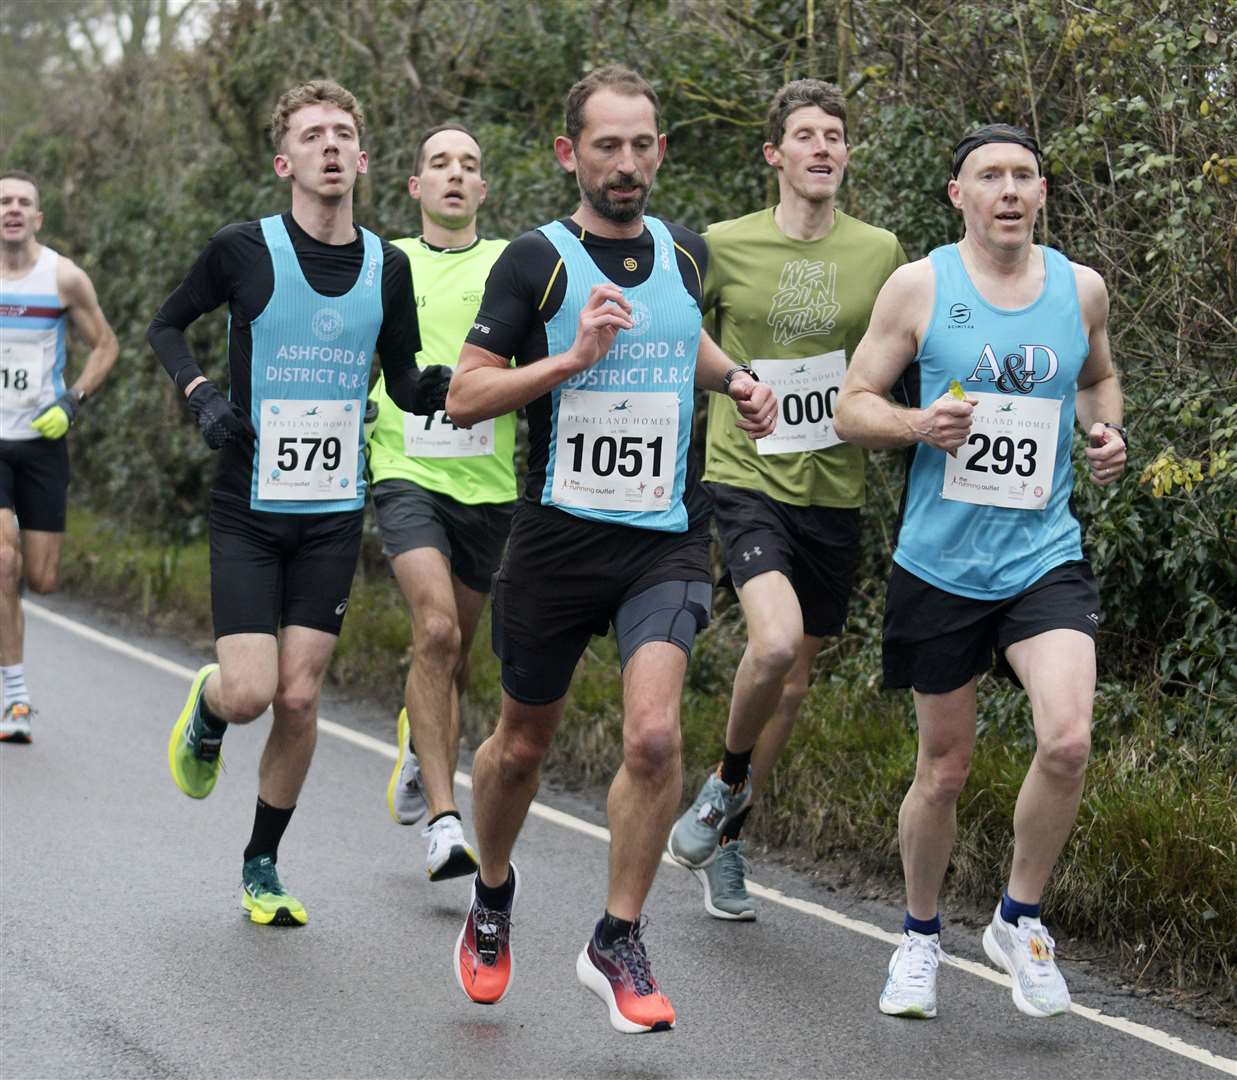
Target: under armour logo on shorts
[747, 555]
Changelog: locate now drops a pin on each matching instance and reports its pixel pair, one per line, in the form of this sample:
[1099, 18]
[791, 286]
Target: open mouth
[333, 169]
[1010, 217]
[820, 170]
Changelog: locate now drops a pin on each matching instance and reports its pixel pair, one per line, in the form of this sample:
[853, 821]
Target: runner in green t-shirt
[791, 289]
[444, 497]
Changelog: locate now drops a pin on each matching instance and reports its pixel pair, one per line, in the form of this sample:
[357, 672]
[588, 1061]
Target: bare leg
[927, 822]
[1058, 670]
[506, 772]
[778, 728]
[12, 623]
[248, 676]
[645, 793]
[430, 696]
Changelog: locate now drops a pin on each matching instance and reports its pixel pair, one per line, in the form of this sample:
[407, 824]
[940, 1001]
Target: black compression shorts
[565, 579]
[936, 641]
[34, 482]
[815, 547]
[269, 570]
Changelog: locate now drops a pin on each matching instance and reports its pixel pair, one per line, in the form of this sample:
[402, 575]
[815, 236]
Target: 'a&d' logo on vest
[641, 318]
[327, 324]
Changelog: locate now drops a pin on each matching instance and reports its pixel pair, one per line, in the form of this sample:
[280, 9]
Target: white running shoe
[405, 792]
[910, 989]
[1026, 952]
[449, 854]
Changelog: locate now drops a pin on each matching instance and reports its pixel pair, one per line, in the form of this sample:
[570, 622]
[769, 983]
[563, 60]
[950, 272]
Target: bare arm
[484, 385]
[1099, 401]
[756, 402]
[865, 415]
[90, 324]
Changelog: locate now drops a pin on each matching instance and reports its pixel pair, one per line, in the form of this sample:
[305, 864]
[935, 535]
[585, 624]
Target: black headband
[994, 133]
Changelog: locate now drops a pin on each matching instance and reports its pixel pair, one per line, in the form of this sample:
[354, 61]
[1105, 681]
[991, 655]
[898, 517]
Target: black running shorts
[269, 570]
[470, 536]
[34, 482]
[815, 547]
[565, 579]
[937, 641]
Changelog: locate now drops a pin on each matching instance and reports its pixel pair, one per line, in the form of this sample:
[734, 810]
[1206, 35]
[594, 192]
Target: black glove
[430, 395]
[220, 420]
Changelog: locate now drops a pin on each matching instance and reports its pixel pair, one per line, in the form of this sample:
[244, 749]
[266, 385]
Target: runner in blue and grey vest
[601, 313]
[311, 298]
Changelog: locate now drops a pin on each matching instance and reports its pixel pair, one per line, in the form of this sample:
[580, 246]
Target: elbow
[461, 411]
[844, 421]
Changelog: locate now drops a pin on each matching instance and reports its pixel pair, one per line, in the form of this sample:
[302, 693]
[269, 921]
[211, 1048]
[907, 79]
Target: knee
[43, 581]
[242, 704]
[793, 693]
[10, 566]
[652, 750]
[437, 637]
[296, 704]
[521, 754]
[1064, 756]
[772, 657]
[941, 778]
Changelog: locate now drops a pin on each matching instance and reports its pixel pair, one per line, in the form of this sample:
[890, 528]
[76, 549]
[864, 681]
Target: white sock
[14, 684]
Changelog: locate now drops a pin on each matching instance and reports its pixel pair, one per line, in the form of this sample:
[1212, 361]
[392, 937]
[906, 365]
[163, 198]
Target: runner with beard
[310, 298]
[601, 314]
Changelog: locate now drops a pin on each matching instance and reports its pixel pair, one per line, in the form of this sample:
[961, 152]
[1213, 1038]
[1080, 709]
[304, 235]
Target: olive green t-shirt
[448, 287]
[769, 297]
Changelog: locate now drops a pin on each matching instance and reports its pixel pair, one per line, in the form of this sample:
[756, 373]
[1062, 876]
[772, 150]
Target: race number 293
[1009, 457]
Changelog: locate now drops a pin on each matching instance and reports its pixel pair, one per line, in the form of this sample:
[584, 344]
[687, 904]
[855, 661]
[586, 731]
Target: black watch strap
[729, 376]
[1120, 431]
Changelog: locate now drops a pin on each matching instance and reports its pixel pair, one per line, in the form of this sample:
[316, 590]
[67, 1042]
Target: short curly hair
[800, 94]
[314, 92]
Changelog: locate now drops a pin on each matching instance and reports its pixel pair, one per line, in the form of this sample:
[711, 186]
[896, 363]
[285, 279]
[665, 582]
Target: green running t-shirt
[448, 287]
[769, 297]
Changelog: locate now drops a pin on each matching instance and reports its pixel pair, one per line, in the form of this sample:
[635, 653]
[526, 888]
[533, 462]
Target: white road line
[1162, 1039]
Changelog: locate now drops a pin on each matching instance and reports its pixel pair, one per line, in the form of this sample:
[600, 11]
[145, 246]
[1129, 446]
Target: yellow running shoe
[405, 795]
[265, 898]
[193, 753]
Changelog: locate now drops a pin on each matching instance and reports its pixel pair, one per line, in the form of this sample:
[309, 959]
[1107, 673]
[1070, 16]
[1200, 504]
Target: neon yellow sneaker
[193, 752]
[405, 795]
[265, 898]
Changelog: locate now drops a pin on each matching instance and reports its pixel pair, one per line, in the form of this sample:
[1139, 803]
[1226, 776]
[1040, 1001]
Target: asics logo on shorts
[341, 607]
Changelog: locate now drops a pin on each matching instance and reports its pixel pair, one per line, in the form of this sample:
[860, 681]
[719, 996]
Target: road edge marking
[1172, 1043]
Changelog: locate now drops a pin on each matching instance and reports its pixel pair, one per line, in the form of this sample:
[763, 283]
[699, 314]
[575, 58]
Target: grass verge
[1150, 871]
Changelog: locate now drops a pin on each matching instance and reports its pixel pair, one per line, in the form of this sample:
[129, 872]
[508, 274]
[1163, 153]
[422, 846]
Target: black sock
[734, 768]
[269, 823]
[214, 726]
[610, 930]
[498, 899]
[732, 828]
[446, 813]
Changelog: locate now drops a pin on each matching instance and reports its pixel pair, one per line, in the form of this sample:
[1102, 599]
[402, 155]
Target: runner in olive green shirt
[790, 289]
[444, 497]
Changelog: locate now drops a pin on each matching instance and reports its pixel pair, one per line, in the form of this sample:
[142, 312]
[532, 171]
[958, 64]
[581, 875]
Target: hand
[1105, 454]
[601, 318]
[220, 420]
[371, 417]
[946, 423]
[430, 395]
[58, 417]
[757, 405]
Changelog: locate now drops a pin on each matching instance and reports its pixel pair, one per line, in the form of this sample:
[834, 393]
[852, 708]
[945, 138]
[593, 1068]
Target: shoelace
[733, 867]
[265, 881]
[631, 954]
[1039, 969]
[920, 958]
[490, 930]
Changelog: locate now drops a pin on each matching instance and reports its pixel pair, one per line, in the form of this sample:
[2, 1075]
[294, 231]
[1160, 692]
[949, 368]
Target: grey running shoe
[15, 724]
[694, 838]
[725, 889]
[1026, 952]
[910, 989]
[405, 795]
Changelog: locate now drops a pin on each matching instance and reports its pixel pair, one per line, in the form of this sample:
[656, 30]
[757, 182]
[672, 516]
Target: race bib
[21, 374]
[807, 391]
[437, 437]
[615, 451]
[1010, 456]
[308, 449]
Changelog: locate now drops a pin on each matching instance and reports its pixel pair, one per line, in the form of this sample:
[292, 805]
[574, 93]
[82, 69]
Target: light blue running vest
[32, 320]
[307, 346]
[993, 552]
[664, 342]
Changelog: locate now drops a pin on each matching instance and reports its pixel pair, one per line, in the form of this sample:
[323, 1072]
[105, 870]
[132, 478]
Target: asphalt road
[125, 951]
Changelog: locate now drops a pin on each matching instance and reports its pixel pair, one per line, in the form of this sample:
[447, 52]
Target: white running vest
[32, 346]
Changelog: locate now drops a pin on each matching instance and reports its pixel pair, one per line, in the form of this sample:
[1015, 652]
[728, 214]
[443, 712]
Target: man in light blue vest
[1006, 342]
[311, 297]
[601, 312]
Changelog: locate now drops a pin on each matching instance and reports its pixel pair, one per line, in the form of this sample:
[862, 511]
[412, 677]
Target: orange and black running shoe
[482, 955]
[621, 976]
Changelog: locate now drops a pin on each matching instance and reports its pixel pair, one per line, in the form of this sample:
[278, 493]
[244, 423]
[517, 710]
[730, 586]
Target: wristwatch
[1120, 431]
[729, 376]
